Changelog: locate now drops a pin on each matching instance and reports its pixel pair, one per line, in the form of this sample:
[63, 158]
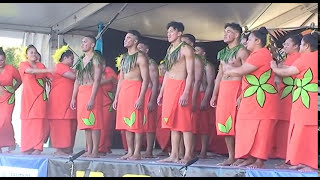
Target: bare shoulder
[186, 49]
[141, 57]
[242, 53]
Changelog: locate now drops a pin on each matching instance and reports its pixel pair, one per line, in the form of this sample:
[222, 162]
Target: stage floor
[111, 165]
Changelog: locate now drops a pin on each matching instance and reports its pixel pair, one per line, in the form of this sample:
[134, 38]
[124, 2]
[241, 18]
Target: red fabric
[179, 117]
[217, 143]
[303, 130]
[195, 115]
[109, 115]
[254, 138]
[63, 132]
[280, 139]
[60, 95]
[249, 107]
[150, 121]
[128, 95]
[33, 133]
[229, 91]
[162, 135]
[83, 97]
[6, 129]
[32, 104]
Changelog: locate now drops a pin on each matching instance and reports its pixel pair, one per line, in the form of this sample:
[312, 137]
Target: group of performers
[262, 108]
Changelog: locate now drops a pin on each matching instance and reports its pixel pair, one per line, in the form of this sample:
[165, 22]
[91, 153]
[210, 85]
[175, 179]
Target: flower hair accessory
[57, 55]
[118, 61]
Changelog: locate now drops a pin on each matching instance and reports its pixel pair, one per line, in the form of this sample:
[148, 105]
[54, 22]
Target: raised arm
[284, 71]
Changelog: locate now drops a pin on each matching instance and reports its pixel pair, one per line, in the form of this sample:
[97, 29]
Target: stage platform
[110, 165]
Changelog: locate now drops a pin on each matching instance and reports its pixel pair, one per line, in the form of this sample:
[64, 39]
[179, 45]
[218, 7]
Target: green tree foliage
[13, 56]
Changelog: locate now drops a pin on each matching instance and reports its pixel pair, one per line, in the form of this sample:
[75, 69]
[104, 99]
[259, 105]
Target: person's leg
[89, 142]
[130, 144]
[188, 141]
[175, 142]
[231, 150]
[150, 143]
[95, 143]
[249, 160]
[257, 164]
[204, 146]
[181, 148]
[137, 146]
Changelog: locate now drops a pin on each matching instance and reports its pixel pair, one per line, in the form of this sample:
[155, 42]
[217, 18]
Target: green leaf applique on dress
[144, 119]
[165, 120]
[130, 121]
[259, 86]
[90, 121]
[111, 96]
[41, 83]
[304, 87]
[289, 82]
[227, 127]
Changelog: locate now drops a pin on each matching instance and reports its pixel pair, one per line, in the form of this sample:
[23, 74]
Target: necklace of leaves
[82, 70]
[226, 54]
[128, 62]
[174, 56]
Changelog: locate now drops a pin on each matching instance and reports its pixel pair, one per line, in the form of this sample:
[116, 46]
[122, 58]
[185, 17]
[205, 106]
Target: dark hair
[244, 35]
[201, 46]
[261, 34]
[31, 46]
[68, 53]
[2, 52]
[145, 42]
[190, 37]
[312, 40]
[296, 39]
[234, 26]
[135, 33]
[39, 55]
[176, 25]
[93, 39]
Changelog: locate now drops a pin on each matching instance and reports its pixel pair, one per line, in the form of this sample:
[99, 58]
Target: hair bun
[314, 34]
[263, 30]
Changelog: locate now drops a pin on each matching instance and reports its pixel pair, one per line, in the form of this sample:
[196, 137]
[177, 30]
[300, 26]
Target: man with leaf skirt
[10, 81]
[87, 95]
[150, 103]
[130, 95]
[227, 89]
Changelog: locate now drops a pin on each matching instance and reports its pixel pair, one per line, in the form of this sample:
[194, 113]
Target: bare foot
[60, 153]
[86, 154]
[170, 159]
[247, 162]
[258, 164]
[94, 155]
[299, 166]
[185, 160]
[102, 153]
[203, 156]
[307, 169]
[163, 153]
[238, 162]
[125, 157]
[134, 157]
[11, 148]
[36, 152]
[147, 155]
[282, 166]
[227, 162]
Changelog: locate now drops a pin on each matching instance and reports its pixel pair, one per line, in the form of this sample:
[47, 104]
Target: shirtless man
[87, 95]
[130, 95]
[206, 89]
[175, 95]
[150, 104]
[198, 74]
[228, 88]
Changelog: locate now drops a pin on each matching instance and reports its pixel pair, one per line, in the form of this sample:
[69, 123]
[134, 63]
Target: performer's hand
[114, 104]
[151, 106]
[90, 105]
[213, 101]
[203, 105]
[159, 100]
[138, 104]
[273, 64]
[183, 101]
[238, 102]
[73, 104]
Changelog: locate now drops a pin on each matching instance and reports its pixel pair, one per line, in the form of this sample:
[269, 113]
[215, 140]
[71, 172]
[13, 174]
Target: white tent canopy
[204, 20]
